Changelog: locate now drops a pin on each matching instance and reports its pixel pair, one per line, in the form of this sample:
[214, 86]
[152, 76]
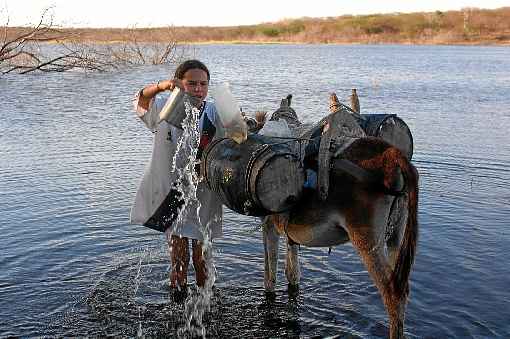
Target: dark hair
[191, 64]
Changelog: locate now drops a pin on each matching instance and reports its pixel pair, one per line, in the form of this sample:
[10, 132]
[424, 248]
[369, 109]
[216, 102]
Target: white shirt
[158, 177]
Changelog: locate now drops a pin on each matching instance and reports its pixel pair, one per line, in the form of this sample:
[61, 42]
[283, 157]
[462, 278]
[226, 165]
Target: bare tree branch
[26, 49]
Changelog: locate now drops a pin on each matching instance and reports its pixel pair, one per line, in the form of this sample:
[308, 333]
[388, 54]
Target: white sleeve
[151, 116]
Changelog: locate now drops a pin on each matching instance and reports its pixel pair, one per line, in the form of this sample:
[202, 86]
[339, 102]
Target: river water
[72, 153]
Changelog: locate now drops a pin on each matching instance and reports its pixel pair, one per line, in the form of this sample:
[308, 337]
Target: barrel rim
[203, 160]
[259, 152]
[395, 116]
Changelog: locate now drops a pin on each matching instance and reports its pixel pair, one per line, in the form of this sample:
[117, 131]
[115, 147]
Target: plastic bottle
[229, 113]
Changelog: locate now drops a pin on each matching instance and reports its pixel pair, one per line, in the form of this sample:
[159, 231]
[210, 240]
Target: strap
[365, 177]
[359, 173]
[343, 129]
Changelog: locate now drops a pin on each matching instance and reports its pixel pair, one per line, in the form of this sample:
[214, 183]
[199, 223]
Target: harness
[342, 131]
[323, 146]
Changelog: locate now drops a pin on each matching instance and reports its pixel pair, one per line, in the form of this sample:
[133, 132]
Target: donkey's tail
[407, 250]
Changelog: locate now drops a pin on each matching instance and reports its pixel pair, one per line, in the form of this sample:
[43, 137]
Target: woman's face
[195, 83]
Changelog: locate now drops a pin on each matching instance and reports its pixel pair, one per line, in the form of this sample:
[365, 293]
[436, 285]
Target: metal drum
[174, 110]
[261, 176]
[391, 129]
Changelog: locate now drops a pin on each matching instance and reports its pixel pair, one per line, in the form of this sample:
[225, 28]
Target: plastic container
[229, 113]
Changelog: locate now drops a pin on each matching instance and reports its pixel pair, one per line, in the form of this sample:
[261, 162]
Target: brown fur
[407, 251]
[260, 117]
[384, 159]
[386, 162]
[358, 203]
[361, 204]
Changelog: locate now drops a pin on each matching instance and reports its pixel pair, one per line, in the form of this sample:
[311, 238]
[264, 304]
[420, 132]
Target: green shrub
[294, 27]
[270, 31]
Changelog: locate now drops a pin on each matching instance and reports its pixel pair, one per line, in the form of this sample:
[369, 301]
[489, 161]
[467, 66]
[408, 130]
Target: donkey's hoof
[293, 290]
[270, 296]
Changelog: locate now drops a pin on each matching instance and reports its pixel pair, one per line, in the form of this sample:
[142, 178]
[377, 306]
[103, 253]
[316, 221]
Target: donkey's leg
[271, 237]
[292, 269]
[380, 270]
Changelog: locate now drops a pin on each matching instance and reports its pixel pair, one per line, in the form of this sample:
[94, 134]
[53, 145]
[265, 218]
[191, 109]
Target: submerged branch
[44, 47]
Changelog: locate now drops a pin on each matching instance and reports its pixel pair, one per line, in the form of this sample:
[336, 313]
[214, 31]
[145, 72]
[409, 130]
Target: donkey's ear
[260, 116]
[334, 103]
[289, 99]
[286, 101]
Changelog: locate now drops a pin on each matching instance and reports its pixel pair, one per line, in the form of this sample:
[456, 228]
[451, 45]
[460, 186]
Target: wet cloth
[158, 179]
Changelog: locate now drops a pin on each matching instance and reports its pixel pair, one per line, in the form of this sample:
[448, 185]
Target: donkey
[369, 197]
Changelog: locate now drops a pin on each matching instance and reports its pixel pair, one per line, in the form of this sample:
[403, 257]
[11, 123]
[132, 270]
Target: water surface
[72, 153]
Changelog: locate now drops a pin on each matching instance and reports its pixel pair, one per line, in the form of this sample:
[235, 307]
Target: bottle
[229, 113]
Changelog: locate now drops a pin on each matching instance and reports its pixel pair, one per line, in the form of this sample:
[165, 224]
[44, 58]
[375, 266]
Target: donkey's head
[287, 113]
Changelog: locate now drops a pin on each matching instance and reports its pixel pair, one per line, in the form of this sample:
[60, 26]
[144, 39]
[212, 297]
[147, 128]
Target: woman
[157, 201]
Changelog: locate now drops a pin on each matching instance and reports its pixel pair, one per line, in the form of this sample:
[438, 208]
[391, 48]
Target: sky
[157, 13]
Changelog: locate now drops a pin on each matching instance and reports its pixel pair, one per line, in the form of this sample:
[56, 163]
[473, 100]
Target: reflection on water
[73, 152]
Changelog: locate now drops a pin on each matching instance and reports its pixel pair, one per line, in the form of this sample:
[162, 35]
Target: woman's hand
[169, 85]
[148, 92]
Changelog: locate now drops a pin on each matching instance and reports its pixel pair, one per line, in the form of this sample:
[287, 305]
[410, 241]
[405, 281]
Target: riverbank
[469, 26]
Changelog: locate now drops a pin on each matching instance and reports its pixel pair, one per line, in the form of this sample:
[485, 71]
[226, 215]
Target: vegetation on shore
[467, 26]
[22, 49]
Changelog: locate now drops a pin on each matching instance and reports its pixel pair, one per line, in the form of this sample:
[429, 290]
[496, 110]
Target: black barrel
[391, 129]
[261, 176]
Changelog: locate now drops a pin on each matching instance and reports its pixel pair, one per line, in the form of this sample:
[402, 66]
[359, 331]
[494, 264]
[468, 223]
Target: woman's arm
[147, 106]
[148, 92]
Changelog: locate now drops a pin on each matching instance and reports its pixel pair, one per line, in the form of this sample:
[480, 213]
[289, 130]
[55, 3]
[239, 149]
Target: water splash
[184, 163]
[200, 302]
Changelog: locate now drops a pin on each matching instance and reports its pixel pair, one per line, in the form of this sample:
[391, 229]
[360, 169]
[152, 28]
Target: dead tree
[24, 49]
[144, 47]
[45, 47]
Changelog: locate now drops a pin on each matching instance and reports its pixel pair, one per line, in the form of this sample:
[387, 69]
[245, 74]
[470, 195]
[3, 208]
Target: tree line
[25, 49]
